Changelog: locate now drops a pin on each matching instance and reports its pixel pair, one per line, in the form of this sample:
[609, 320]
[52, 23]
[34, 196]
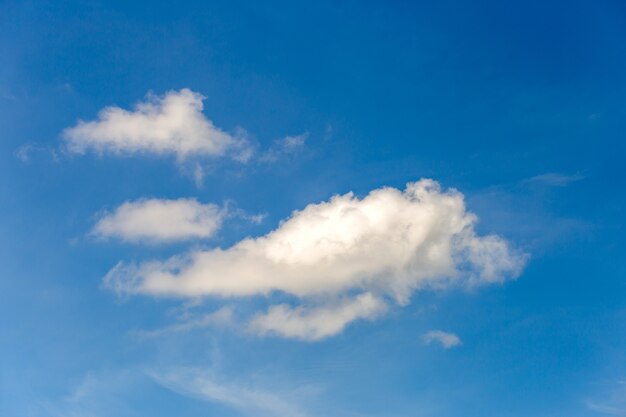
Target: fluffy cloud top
[169, 124]
[388, 244]
[445, 339]
[157, 220]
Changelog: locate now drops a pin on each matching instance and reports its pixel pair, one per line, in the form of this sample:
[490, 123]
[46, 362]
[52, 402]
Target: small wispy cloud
[221, 317]
[445, 339]
[25, 152]
[554, 179]
[285, 147]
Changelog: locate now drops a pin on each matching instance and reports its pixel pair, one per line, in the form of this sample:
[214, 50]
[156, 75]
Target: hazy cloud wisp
[287, 146]
[445, 339]
[244, 397]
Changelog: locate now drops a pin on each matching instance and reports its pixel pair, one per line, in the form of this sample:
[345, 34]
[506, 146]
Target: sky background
[517, 105]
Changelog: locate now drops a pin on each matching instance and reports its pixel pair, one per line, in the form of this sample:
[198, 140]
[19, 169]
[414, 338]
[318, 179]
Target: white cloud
[168, 124]
[156, 220]
[390, 244]
[241, 396]
[445, 339]
[318, 322]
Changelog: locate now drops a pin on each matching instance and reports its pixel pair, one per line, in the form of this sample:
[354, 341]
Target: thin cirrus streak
[247, 398]
[337, 255]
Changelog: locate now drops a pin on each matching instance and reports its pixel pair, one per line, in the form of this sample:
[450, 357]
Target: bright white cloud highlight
[389, 244]
[156, 220]
[445, 339]
[168, 124]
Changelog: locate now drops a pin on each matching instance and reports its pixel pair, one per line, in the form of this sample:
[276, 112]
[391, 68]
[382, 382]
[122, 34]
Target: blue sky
[177, 236]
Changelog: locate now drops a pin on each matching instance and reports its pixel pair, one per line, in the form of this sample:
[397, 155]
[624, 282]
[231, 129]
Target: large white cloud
[168, 124]
[388, 244]
[156, 220]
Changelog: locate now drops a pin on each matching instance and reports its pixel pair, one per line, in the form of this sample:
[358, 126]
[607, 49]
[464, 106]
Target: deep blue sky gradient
[482, 96]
